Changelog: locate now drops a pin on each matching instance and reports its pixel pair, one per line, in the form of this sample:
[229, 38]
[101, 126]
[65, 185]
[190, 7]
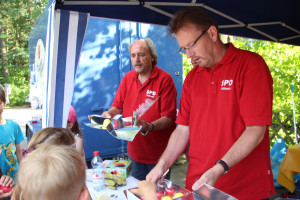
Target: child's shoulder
[11, 122]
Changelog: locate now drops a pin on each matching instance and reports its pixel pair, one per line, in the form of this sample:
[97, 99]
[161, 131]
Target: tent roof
[273, 20]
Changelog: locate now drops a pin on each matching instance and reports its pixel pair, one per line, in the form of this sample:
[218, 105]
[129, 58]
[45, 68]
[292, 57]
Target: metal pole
[295, 127]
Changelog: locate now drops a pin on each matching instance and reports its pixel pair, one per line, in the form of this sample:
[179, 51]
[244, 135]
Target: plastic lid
[96, 153]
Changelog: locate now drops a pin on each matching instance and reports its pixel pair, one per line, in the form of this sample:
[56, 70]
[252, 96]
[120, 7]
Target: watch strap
[224, 165]
[151, 127]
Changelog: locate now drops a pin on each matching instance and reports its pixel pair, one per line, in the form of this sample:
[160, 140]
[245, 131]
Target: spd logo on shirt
[226, 84]
[150, 93]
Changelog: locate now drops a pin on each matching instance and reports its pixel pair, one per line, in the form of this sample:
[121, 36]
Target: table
[289, 167]
[114, 194]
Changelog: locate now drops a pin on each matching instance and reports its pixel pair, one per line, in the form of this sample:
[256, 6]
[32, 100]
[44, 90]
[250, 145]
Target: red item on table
[159, 194]
[170, 192]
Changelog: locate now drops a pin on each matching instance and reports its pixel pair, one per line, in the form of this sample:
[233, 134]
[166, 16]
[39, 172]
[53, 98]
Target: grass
[7, 106]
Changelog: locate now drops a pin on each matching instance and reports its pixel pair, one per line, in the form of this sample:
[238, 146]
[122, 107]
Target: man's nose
[137, 58]
[189, 53]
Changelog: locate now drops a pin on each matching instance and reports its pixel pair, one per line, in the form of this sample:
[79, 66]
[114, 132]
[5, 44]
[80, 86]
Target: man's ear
[85, 194]
[213, 32]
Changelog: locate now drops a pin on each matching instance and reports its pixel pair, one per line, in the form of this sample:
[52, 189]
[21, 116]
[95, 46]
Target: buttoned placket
[212, 81]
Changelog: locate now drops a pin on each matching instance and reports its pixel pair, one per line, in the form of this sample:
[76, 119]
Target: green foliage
[187, 66]
[18, 94]
[284, 63]
[17, 18]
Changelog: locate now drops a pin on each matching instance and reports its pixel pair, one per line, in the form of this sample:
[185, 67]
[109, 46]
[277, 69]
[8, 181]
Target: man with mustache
[224, 113]
[146, 81]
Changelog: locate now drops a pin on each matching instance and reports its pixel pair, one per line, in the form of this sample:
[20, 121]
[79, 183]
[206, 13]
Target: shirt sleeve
[18, 134]
[256, 93]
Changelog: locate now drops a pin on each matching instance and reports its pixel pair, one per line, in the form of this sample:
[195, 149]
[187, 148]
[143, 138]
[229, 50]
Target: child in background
[52, 172]
[73, 126]
[50, 135]
[10, 138]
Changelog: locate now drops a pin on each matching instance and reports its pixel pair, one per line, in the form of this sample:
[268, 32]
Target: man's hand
[155, 174]
[144, 125]
[110, 113]
[210, 177]
[106, 114]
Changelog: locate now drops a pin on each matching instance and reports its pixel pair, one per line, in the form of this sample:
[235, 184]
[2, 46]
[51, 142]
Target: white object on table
[114, 194]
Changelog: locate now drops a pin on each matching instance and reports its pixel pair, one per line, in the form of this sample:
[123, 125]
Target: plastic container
[97, 175]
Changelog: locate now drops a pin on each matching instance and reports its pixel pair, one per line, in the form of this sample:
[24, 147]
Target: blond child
[52, 172]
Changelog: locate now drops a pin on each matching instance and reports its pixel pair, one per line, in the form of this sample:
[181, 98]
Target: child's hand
[145, 189]
[5, 195]
[6, 181]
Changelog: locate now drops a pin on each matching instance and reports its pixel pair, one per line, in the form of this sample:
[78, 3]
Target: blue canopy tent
[274, 20]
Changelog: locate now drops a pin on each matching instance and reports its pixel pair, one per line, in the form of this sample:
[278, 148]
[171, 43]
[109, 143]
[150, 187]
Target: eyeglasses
[190, 46]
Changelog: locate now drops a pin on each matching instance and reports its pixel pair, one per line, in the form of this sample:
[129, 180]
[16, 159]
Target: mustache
[137, 63]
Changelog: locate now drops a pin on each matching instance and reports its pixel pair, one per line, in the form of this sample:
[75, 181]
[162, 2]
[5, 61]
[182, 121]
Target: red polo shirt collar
[228, 58]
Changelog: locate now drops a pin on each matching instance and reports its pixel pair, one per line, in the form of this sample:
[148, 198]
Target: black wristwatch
[224, 165]
[151, 127]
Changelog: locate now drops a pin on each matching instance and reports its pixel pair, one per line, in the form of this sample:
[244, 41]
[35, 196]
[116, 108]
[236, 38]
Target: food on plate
[166, 198]
[170, 191]
[106, 122]
[159, 194]
[177, 195]
[103, 197]
[112, 181]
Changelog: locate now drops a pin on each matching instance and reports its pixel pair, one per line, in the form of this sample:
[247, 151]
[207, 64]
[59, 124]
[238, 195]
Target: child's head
[2, 99]
[52, 172]
[72, 124]
[51, 135]
[2, 94]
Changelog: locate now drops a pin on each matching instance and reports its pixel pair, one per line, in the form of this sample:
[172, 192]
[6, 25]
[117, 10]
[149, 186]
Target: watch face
[144, 133]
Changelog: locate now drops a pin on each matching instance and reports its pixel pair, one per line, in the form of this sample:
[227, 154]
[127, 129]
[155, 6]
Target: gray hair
[151, 48]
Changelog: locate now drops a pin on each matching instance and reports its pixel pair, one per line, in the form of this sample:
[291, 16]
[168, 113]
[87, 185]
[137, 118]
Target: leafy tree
[17, 18]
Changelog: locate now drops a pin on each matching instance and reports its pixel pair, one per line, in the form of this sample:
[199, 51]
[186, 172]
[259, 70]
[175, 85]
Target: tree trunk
[2, 52]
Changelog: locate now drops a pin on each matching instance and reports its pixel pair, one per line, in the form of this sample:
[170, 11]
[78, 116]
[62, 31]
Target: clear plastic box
[205, 192]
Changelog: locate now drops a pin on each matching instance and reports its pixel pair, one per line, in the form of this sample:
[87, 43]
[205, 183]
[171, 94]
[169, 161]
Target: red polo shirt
[147, 149]
[217, 105]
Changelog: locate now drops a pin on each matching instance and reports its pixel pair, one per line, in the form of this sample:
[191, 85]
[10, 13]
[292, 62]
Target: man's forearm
[247, 142]
[162, 123]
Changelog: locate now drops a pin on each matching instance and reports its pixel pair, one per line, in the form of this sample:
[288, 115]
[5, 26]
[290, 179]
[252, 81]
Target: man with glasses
[224, 113]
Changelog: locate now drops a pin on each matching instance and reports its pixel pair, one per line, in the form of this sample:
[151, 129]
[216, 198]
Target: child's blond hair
[52, 172]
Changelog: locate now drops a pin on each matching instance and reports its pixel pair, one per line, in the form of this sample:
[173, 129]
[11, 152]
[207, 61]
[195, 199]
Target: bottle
[97, 175]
